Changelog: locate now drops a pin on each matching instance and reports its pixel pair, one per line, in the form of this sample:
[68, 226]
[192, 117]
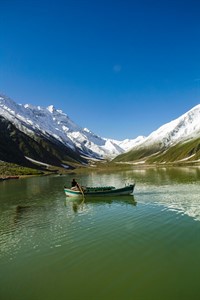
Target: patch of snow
[184, 159]
[51, 108]
[65, 166]
[36, 161]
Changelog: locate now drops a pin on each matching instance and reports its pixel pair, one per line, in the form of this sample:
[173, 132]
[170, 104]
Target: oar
[80, 189]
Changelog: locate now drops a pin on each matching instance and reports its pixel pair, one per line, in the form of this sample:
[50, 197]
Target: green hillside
[138, 154]
[186, 152]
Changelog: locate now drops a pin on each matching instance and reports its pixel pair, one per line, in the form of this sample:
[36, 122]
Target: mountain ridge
[51, 131]
[56, 128]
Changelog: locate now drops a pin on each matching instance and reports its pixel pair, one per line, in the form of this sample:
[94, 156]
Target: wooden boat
[99, 191]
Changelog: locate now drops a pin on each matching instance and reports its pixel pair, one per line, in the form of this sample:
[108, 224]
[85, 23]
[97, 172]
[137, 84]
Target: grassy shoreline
[10, 169]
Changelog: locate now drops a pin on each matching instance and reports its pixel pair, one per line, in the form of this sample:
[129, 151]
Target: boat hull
[127, 190]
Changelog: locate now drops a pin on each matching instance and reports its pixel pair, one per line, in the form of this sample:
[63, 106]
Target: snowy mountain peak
[86, 130]
[54, 123]
[183, 128]
[7, 103]
[51, 108]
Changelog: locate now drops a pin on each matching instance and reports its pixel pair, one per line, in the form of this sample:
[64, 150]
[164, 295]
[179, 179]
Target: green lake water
[143, 247]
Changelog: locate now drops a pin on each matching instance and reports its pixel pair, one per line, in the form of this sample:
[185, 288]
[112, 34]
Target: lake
[145, 246]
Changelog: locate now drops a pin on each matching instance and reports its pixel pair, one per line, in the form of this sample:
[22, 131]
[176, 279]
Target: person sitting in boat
[74, 184]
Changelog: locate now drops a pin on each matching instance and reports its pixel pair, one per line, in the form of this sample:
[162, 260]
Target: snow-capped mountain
[183, 128]
[48, 134]
[53, 123]
[177, 140]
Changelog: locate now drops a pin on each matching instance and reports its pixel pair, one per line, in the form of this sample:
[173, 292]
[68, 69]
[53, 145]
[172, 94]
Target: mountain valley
[39, 137]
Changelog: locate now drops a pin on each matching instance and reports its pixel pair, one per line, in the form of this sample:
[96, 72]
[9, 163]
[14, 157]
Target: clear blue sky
[120, 68]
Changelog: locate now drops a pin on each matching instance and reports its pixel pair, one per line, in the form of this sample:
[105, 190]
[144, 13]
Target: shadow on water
[31, 216]
[22, 211]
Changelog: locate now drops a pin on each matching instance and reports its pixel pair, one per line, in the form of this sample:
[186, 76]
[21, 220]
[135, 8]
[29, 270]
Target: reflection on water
[163, 175]
[82, 204]
[76, 204]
